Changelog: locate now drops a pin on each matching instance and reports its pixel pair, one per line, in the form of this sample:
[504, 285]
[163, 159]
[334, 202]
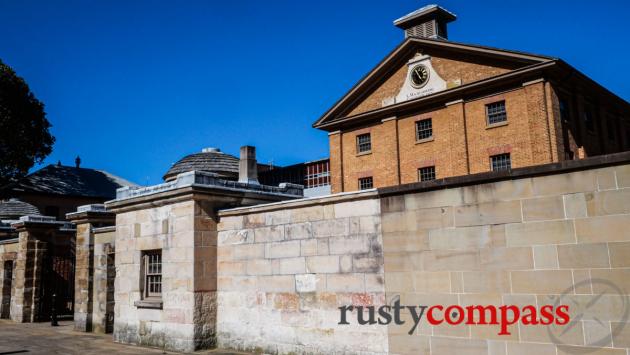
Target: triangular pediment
[420, 67]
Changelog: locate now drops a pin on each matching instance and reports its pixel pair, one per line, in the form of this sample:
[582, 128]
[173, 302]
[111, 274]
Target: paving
[41, 338]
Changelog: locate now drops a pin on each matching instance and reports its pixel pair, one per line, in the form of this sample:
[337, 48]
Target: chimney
[77, 161]
[247, 166]
[427, 22]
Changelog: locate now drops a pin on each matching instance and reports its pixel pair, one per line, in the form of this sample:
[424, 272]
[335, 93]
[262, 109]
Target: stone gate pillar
[86, 219]
[25, 297]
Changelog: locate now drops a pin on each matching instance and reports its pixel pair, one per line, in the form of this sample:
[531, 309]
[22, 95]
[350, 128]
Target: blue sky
[132, 86]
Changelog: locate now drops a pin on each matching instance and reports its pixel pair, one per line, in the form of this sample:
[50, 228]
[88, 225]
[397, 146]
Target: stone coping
[304, 202]
[9, 241]
[104, 229]
[451, 182]
[205, 179]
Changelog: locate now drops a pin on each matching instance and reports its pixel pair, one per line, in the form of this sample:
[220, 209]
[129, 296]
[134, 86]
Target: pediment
[446, 65]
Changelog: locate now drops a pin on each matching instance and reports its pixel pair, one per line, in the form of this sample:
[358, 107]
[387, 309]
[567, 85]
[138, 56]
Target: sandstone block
[619, 254]
[540, 233]
[345, 283]
[542, 282]
[579, 256]
[357, 208]
[575, 205]
[286, 249]
[545, 257]
[488, 213]
[467, 237]
[330, 228]
[543, 208]
[486, 282]
[357, 244]
[291, 266]
[322, 264]
[269, 234]
[608, 202]
[603, 228]
[439, 217]
[448, 346]
[581, 181]
[248, 251]
[298, 231]
[258, 267]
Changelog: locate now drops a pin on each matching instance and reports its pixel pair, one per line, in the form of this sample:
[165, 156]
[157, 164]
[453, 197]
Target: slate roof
[213, 161]
[13, 209]
[71, 181]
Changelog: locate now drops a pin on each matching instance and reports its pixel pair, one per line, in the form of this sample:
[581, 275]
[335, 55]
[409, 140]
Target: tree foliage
[24, 130]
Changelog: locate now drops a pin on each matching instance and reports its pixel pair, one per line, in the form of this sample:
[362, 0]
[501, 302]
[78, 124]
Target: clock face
[419, 76]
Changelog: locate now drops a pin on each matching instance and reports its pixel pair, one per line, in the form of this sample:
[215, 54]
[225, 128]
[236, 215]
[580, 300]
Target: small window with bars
[366, 183]
[501, 162]
[364, 143]
[152, 267]
[426, 173]
[424, 129]
[496, 113]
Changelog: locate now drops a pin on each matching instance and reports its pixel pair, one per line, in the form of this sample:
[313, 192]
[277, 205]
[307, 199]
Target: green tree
[24, 136]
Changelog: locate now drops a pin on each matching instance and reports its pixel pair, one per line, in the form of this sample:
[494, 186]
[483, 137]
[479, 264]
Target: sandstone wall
[523, 242]
[169, 228]
[283, 273]
[104, 275]
[534, 239]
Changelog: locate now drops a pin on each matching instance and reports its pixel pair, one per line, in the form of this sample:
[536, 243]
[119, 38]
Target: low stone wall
[552, 235]
[283, 273]
[557, 239]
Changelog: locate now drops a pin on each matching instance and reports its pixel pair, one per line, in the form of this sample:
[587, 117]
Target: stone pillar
[86, 219]
[25, 297]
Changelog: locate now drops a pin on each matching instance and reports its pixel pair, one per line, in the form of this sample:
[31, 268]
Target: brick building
[434, 108]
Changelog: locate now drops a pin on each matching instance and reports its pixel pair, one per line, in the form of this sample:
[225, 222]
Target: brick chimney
[427, 22]
[247, 166]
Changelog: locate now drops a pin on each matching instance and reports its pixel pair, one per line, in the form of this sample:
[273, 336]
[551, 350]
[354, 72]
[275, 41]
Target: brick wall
[462, 141]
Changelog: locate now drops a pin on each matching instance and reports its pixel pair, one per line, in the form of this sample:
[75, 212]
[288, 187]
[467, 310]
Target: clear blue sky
[132, 86]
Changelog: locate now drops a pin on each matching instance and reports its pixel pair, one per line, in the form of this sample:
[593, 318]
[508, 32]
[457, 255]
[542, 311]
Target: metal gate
[57, 280]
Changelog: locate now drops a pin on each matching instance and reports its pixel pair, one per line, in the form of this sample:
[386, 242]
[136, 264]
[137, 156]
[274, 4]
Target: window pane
[501, 162]
[153, 273]
[426, 173]
[365, 183]
[424, 129]
[496, 113]
[364, 143]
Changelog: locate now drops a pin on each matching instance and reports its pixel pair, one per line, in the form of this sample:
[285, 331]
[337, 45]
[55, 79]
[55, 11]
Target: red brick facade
[463, 142]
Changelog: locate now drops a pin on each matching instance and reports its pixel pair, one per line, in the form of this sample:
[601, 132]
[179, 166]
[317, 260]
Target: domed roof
[13, 209]
[210, 160]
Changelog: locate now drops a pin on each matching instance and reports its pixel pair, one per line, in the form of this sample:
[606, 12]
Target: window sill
[426, 140]
[498, 124]
[149, 303]
[364, 153]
